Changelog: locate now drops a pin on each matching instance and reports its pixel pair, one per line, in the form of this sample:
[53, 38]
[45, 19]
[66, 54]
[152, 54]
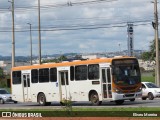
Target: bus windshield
[126, 73]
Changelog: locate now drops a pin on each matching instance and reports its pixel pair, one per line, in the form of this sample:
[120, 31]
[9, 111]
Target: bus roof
[72, 63]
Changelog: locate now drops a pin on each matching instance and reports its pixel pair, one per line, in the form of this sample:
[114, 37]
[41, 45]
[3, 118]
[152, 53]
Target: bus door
[64, 85]
[26, 87]
[106, 83]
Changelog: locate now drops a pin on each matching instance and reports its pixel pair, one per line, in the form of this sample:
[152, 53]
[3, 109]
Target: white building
[7, 65]
[92, 56]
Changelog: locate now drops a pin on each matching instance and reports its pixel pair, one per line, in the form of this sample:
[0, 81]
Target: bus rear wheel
[94, 98]
[42, 100]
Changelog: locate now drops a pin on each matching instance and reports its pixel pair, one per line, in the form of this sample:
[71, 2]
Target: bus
[105, 79]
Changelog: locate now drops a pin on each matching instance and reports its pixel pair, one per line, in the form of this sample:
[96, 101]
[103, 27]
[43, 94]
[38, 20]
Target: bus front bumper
[126, 96]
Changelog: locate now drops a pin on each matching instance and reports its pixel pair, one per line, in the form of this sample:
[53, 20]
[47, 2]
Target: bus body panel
[51, 91]
[17, 93]
[80, 93]
[75, 90]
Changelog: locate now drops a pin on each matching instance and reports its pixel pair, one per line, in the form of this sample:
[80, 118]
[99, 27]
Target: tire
[119, 102]
[48, 103]
[144, 98]
[42, 99]
[15, 102]
[132, 99]
[1, 101]
[62, 103]
[150, 96]
[94, 98]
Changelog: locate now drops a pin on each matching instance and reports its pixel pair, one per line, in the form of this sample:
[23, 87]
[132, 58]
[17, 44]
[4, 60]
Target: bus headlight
[139, 89]
[117, 91]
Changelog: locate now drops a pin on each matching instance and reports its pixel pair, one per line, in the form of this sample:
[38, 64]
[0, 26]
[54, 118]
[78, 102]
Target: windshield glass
[151, 85]
[126, 74]
[3, 92]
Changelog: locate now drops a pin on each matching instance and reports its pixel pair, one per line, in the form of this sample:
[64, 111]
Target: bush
[3, 84]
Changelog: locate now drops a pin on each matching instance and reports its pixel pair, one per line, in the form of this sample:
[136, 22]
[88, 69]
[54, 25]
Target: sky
[81, 26]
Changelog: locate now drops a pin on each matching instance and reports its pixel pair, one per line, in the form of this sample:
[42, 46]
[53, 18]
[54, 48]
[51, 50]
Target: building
[7, 65]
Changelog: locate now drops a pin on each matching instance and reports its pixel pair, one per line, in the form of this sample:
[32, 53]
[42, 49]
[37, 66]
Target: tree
[56, 60]
[1, 73]
[151, 54]
[146, 56]
[3, 82]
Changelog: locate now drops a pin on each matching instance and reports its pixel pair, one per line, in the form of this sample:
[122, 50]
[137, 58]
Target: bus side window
[72, 73]
[24, 80]
[93, 72]
[81, 72]
[44, 75]
[53, 74]
[108, 75]
[103, 76]
[34, 74]
[62, 78]
[66, 75]
[109, 91]
[28, 80]
[16, 77]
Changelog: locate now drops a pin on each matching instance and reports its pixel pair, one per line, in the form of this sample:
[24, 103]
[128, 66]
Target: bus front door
[106, 83]
[64, 86]
[26, 87]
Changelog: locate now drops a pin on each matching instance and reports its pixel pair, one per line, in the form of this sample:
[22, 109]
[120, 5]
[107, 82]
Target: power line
[81, 27]
[56, 5]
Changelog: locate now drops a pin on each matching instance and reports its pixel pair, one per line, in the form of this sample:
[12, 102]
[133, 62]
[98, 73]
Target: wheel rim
[94, 98]
[150, 96]
[41, 100]
[1, 101]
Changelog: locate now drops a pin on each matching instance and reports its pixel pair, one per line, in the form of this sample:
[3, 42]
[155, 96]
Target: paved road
[136, 103]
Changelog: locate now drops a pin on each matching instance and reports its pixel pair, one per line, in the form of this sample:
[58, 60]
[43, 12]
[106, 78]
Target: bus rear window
[16, 77]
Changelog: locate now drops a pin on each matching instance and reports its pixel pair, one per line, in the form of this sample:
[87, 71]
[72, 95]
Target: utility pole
[156, 43]
[30, 26]
[39, 24]
[130, 39]
[119, 48]
[13, 36]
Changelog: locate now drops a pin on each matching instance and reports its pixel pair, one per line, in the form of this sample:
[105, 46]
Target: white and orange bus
[105, 79]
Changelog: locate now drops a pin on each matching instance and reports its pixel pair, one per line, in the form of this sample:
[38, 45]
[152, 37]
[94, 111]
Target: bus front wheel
[133, 99]
[94, 98]
[119, 102]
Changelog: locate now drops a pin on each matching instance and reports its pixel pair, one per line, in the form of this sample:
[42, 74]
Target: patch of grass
[90, 112]
[91, 109]
[148, 79]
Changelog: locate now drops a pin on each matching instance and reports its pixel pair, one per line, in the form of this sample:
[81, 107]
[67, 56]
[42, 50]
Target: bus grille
[128, 88]
[129, 95]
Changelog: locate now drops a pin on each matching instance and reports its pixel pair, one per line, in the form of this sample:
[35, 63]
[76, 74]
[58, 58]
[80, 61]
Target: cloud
[65, 17]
